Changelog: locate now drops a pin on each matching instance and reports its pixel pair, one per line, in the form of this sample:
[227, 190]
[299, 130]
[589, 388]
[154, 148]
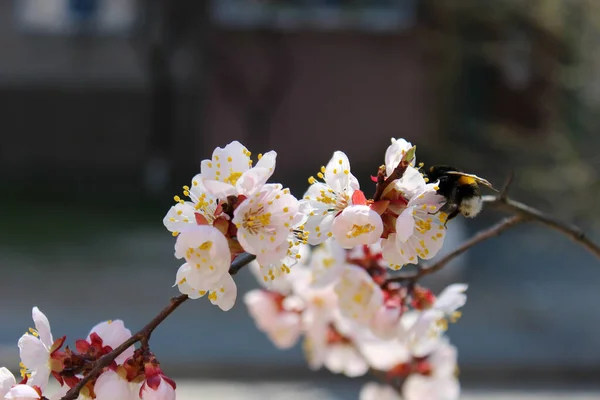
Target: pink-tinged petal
[22, 392]
[180, 217]
[192, 293]
[262, 307]
[285, 330]
[444, 359]
[113, 333]
[234, 158]
[252, 180]
[384, 355]
[110, 386]
[164, 391]
[385, 321]
[42, 325]
[452, 298]
[357, 225]
[419, 387]
[343, 358]
[358, 198]
[396, 253]
[405, 225]
[267, 161]
[337, 173]
[374, 391]
[319, 228]
[412, 183]
[34, 354]
[394, 154]
[224, 294]
[219, 189]
[7, 380]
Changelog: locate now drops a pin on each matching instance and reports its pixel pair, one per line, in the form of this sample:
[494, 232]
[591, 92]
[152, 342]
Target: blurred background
[108, 106]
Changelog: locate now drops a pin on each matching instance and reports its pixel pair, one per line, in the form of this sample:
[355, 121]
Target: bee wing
[477, 179]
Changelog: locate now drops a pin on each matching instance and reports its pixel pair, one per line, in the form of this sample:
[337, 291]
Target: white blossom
[384, 323]
[423, 330]
[185, 215]
[222, 294]
[7, 381]
[359, 297]
[327, 263]
[110, 385]
[283, 327]
[395, 153]
[383, 355]
[357, 225]
[35, 348]
[265, 221]
[344, 358]
[164, 391]
[375, 391]
[113, 333]
[208, 257]
[229, 172]
[420, 387]
[420, 229]
[22, 392]
[451, 298]
[324, 200]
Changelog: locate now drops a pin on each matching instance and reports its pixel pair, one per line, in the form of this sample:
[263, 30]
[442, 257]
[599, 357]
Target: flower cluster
[134, 374]
[340, 299]
[404, 216]
[354, 319]
[228, 209]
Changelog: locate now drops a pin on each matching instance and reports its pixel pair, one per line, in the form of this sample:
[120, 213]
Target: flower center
[233, 177]
[24, 371]
[358, 230]
[256, 220]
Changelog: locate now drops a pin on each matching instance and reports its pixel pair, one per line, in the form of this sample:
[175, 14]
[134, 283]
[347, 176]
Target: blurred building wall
[330, 85]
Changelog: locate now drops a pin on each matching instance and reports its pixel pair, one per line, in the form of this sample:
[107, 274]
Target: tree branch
[382, 184]
[478, 238]
[571, 231]
[144, 334]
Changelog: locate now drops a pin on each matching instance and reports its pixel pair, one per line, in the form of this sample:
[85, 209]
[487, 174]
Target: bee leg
[447, 208]
[453, 214]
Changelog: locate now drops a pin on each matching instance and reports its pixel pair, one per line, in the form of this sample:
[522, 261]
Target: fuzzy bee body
[460, 189]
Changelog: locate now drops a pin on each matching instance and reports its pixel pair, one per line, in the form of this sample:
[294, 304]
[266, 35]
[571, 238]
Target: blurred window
[365, 15]
[72, 17]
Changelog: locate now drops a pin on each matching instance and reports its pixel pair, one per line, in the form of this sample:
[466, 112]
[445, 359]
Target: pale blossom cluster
[134, 375]
[351, 319]
[325, 265]
[335, 297]
[229, 208]
[405, 214]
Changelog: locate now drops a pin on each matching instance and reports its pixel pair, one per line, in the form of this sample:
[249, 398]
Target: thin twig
[478, 238]
[396, 174]
[144, 334]
[571, 231]
[240, 262]
[504, 192]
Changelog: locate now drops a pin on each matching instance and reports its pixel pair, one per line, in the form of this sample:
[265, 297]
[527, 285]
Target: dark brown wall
[348, 92]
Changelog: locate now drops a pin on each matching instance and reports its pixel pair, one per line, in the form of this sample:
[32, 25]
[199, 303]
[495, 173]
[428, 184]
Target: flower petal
[22, 392]
[7, 380]
[405, 225]
[42, 325]
[113, 333]
[224, 294]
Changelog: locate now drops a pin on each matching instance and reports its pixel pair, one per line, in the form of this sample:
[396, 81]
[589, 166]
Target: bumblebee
[460, 189]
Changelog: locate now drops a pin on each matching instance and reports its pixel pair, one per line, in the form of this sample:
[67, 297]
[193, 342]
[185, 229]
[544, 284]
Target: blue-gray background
[108, 107]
